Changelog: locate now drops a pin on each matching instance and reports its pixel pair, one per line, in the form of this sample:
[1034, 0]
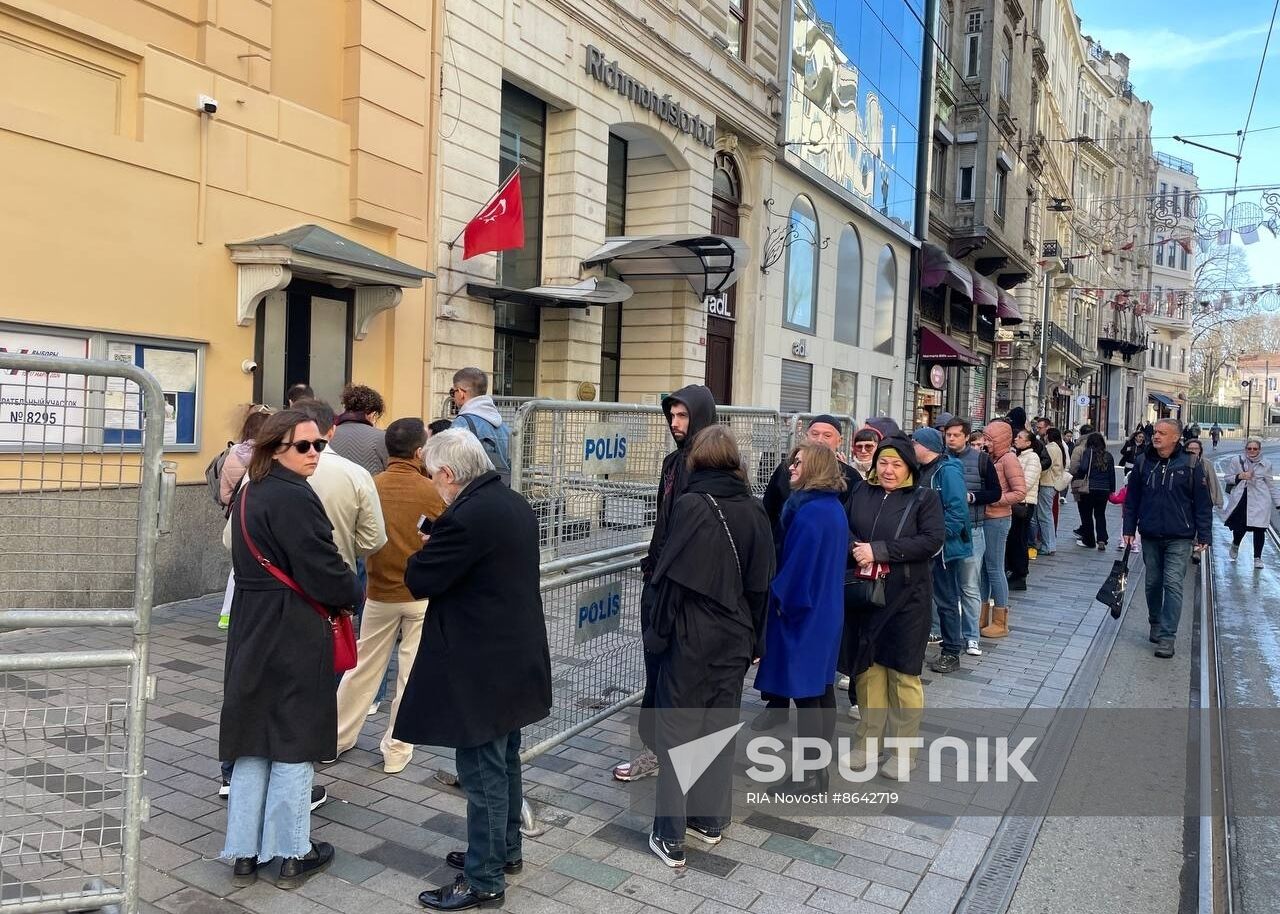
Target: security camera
[207, 104]
[248, 366]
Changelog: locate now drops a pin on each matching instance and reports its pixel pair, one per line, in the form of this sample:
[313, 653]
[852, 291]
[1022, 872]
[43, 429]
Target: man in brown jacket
[1013, 488]
[406, 494]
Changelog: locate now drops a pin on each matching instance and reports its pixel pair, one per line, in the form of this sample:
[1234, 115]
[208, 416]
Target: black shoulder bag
[867, 591]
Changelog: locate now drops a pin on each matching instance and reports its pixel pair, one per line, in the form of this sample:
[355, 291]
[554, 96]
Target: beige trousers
[889, 701]
[378, 629]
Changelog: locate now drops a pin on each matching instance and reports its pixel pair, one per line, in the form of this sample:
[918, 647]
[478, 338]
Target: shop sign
[599, 612]
[1082, 400]
[611, 74]
[719, 306]
[1004, 350]
[604, 448]
[38, 407]
[938, 377]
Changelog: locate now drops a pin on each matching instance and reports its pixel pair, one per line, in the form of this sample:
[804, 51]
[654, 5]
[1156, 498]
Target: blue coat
[1169, 498]
[806, 599]
[946, 477]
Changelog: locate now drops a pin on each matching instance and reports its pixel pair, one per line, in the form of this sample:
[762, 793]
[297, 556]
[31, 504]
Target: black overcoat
[894, 635]
[483, 668]
[278, 698]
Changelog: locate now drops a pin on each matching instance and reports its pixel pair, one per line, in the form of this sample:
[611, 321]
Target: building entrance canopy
[710, 263]
[592, 291]
[941, 269]
[1007, 309]
[1168, 402]
[940, 349]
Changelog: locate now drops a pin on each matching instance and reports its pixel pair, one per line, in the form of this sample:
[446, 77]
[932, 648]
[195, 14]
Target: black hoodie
[674, 478]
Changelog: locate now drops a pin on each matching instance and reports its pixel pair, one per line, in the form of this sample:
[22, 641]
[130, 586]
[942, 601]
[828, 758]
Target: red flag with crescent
[499, 226]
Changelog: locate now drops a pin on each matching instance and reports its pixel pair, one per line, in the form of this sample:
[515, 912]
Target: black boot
[296, 870]
[815, 783]
[245, 871]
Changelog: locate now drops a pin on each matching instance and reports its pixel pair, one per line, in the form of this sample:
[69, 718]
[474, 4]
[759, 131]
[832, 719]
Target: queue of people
[845, 572]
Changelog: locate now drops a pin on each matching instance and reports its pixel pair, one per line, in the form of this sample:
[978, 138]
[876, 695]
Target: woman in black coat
[483, 668]
[895, 524]
[711, 584]
[279, 707]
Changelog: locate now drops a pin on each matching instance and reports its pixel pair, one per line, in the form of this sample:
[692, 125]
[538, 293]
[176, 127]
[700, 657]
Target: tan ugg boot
[984, 618]
[999, 627]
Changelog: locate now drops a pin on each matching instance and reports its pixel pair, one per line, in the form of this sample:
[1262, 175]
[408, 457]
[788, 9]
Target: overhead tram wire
[1065, 140]
[1244, 134]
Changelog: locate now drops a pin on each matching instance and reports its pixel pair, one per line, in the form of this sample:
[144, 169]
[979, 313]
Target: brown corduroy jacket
[406, 494]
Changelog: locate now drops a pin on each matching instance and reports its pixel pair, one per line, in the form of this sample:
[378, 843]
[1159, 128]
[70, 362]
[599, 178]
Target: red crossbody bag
[344, 633]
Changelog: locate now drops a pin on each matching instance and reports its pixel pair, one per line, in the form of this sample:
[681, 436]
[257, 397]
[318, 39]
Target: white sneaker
[1257, 563]
[973, 650]
[895, 768]
[857, 759]
[373, 709]
[1235, 551]
[842, 683]
[854, 712]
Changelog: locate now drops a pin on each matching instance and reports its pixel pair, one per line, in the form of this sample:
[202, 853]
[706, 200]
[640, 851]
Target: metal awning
[312, 250]
[710, 263]
[940, 349]
[593, 291]
[985, 292]
[1007, 309]
[1162, 400]
[941, 269]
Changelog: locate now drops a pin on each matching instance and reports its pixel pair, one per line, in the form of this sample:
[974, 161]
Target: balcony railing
[1118, 337]
[1059, 337]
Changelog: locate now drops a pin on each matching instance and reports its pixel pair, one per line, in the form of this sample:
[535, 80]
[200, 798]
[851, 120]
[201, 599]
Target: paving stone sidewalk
[392, 832]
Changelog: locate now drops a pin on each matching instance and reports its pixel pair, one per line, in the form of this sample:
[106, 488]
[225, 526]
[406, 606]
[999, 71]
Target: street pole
[1044, 343]
[1248, 407]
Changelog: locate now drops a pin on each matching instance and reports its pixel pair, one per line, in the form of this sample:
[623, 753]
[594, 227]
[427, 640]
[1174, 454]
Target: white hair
[460, 451]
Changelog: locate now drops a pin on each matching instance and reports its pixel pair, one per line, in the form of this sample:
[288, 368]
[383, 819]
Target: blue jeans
[362, 573]
[946, 605]
[1046, 536]
[1166, 561]
[269, 810]
[995, 586]
[490, 775]
[968, 574]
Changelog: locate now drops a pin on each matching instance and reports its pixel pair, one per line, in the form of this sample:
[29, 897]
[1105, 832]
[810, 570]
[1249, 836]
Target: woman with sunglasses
[865, 442]
[1253, 495]
[279, 708]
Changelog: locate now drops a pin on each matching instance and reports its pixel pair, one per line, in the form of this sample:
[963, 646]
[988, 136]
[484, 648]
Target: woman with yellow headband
[895, 530]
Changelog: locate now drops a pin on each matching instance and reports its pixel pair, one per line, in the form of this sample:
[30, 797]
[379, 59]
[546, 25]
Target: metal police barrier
[591, 471]
[81, 495]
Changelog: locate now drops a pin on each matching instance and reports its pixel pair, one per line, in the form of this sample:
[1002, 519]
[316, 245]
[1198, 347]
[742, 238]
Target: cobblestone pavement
[392, 832]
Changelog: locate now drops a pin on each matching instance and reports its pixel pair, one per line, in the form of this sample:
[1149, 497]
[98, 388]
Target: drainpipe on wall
[924, 150]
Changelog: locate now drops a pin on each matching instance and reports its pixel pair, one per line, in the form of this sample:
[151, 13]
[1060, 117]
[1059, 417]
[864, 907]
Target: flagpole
[494, 196]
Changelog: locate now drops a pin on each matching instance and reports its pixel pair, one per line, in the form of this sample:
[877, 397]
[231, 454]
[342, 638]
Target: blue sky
[1196, 63]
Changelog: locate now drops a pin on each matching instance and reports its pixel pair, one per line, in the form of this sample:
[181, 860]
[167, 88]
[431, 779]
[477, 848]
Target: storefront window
[801, 293]
[848, 287]
[886, 301]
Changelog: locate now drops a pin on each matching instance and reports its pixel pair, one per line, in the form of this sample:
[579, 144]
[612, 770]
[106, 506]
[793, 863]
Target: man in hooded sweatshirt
[945, 475]
[479, 415]
[689, 410]
[1013, 489]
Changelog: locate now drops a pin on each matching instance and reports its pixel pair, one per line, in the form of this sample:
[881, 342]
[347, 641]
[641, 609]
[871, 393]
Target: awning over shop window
[1162, 400]
[940, 349]
[941, 269]
[1007, 309]
[985, 292]
[593, 291]
[710, 263]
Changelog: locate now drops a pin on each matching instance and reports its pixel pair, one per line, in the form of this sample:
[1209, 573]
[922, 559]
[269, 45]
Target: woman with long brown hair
[279, 709]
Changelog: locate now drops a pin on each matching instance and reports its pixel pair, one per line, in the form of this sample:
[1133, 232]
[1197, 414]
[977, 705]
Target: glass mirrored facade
[853, 99]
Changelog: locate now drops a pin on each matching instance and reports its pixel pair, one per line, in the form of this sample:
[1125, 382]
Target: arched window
[800, 301]
[848, 287]
[725, 183]
[886, 301]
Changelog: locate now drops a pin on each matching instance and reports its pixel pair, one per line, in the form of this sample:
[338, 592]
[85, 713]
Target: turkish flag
[499, 226]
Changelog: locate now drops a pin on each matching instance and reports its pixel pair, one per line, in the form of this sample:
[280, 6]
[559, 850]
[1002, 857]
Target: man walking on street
[1168, 503]
[945, 475]
[689, 410]
[479, 415]
[983, 487]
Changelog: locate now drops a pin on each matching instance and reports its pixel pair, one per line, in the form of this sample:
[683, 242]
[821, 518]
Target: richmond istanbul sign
[611, 74]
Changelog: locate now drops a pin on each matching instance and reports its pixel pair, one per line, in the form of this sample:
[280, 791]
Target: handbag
[1111, 593]
[344, 632]
[864, 585]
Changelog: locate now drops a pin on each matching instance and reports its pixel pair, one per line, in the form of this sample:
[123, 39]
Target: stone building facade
[1173, 277]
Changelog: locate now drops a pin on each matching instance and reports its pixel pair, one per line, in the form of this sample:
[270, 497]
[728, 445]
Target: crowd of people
[841, 577]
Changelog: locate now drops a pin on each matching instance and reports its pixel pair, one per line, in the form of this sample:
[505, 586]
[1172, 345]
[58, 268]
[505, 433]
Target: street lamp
[1248, 404]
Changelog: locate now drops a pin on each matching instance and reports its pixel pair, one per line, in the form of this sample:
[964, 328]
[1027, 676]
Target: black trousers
[1259, 539]
[1015, 551]
[1093, 518]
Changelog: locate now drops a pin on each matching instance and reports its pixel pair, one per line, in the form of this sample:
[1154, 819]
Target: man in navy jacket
[1168, 503]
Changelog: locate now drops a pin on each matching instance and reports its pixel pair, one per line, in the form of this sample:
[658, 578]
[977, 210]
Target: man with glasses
[479, 415]
[1168, 503]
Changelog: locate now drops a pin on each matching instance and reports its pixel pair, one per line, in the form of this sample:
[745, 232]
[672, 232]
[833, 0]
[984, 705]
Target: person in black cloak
[711, 585]
[689, 410]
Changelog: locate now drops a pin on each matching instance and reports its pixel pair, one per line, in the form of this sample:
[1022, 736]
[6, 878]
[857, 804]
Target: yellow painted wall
[98, 221]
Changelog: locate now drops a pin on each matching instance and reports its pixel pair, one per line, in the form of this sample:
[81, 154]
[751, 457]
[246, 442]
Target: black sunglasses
[304, 447]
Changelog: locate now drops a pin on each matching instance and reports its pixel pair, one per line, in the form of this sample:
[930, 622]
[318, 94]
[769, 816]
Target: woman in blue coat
[806, 598]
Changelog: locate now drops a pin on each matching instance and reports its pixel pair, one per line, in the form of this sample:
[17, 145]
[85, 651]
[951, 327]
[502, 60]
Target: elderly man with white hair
[483, 669]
